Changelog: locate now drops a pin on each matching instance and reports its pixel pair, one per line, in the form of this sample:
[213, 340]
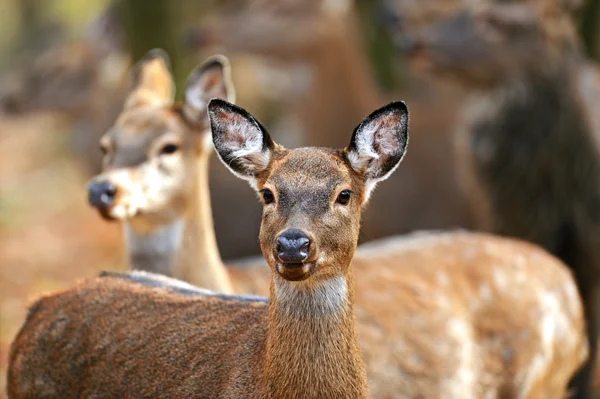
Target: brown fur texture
[530, 142]
[463, 316]
[463, 319]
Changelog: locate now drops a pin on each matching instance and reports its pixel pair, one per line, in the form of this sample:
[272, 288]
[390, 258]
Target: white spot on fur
[499, 278]
[485, 293]
[556, 334]
[462, 383]
[442, 279]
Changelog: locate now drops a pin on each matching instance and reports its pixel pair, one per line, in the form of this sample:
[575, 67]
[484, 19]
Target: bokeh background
[309, 70]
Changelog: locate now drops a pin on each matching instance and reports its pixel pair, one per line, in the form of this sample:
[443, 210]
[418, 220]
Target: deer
[452, 305]
[534, 101]
[155, 176]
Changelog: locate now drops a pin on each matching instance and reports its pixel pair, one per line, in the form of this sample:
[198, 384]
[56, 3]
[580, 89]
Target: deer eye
[169, 149]
[344, 197]
[267, 195]
[103, 149]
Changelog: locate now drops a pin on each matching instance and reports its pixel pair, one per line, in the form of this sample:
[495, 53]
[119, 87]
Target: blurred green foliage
[589, 27]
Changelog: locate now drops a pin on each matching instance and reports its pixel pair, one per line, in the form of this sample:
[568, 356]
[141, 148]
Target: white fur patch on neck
[326, 298]
[157, 249]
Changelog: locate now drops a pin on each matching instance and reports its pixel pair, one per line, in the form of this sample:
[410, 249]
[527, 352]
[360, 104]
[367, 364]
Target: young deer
[465, 316]
[530, 145]
[155, 173]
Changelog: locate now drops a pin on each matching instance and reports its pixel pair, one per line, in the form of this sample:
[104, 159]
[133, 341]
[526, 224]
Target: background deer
[531, 136]
[155, 177]
[444, 325]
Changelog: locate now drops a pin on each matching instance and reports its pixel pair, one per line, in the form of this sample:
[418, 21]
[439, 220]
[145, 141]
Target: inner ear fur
[379, 142]
[210, 80]
[241, 142]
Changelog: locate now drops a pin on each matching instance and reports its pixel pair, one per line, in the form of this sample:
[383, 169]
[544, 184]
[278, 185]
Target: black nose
[292, 246]
[101, 193]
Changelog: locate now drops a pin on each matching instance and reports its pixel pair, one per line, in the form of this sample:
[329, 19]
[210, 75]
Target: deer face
[312, 197]
[152, 151]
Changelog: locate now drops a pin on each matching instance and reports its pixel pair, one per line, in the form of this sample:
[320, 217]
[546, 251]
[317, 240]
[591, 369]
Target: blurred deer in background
[319, 44]
[155, 174]
[80, 80]
[458, 292]
[531, 138]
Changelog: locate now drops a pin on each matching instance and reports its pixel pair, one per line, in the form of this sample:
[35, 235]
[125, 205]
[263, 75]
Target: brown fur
[530, 144]
[445, 282]
[464, 316]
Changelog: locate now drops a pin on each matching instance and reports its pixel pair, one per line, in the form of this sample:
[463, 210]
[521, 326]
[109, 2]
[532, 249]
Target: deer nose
[101, 193]
[293, 246]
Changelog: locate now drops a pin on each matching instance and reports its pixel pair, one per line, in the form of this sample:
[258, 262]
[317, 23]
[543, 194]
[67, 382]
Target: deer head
[312, 197]
[151, 152]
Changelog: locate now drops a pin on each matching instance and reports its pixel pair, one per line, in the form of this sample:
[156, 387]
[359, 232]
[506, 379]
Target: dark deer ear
[379, 143]
[212, 79]
[152, 82]
[241, 142]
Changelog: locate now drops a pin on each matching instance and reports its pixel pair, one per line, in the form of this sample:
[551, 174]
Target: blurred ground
[49, 237]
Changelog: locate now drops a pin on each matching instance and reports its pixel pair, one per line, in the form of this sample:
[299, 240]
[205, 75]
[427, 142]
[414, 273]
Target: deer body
[564, 218]
[448, 325]
[436, 319]
[530, 144]
[155, 175]
[243, 360]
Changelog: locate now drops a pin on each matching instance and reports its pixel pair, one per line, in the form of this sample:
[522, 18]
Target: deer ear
[152, 83]
[379, 143]
[243, 145]
[212, 79]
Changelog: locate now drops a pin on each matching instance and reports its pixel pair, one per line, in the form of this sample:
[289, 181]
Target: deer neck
[186, 248]
[311, 346]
